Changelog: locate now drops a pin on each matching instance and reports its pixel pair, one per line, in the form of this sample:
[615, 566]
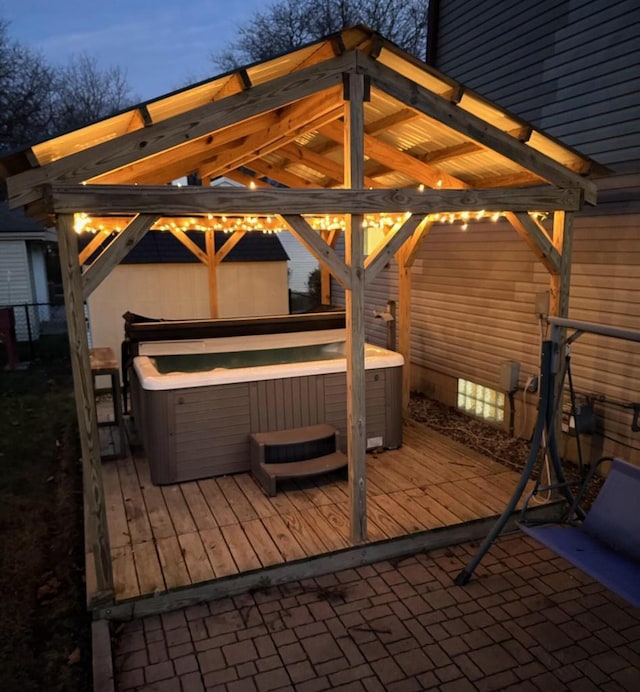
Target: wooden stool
[103, 362]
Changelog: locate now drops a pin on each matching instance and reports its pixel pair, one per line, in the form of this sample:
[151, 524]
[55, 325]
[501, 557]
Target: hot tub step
[294, 453]
[269, 474]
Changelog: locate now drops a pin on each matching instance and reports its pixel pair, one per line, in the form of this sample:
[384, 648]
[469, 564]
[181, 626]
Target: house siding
[570, 68]
[16, 287]
[473, 308]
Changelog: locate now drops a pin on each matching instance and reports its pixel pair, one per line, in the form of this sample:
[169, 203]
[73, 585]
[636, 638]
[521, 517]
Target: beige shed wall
[180, 291]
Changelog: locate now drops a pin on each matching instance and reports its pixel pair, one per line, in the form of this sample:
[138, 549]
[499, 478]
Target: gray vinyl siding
[569, 68]
[473, 299]
[383, 289]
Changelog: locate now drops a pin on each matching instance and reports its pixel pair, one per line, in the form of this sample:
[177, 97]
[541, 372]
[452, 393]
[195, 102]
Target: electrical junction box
[509, 373]
[542, 304]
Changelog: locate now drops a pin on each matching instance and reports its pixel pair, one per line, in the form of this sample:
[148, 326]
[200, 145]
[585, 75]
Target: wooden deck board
[163, 538]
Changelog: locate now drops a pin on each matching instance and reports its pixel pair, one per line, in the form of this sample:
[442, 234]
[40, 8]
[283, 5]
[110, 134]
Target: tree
[38, 101]
[289, 24]
[85, 93]
[25, 93]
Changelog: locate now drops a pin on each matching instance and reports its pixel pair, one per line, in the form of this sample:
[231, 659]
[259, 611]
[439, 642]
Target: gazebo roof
[282, 121]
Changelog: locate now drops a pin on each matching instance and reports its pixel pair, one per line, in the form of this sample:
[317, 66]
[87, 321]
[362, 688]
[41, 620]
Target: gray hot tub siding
[204, 431]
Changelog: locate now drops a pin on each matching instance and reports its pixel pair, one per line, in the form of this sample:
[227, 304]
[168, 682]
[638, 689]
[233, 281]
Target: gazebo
[347, 135]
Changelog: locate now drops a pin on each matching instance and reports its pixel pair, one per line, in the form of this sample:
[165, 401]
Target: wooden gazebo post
[354, 299]
[97, 536]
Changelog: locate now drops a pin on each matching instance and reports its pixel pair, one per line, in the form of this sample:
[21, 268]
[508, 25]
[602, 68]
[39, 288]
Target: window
[480, 401]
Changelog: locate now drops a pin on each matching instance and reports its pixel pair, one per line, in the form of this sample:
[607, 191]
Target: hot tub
[195, 402]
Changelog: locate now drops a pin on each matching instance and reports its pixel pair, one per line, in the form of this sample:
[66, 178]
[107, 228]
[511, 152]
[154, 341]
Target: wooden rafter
[95, 242]
[171, 164]
[473, 127]
[88, 163]
[282, 175]
[301, 118]
[322, 164]
[394, 158]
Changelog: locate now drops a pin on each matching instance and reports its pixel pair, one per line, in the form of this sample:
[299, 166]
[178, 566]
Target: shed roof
[163, 247]
[282, 121]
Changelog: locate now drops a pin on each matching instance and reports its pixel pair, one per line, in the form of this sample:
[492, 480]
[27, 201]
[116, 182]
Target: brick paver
[528, 621]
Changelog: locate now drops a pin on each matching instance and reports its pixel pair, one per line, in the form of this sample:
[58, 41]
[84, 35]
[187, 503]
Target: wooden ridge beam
[437, 108]
[323, 252]
[166, 200]
[122, 151]
[115, 252]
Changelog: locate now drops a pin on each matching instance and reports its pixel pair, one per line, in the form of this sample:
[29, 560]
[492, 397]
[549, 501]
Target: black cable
[620, 442]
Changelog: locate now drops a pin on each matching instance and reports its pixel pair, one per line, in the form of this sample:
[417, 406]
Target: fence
[35, 323]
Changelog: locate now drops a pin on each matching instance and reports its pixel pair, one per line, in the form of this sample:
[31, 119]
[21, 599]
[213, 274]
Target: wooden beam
[115, 252]
[282, 175]
[124, 150]
[412, 246]
[307, 116]
[169, 165]
[212, 273]
[433, 106]
[330, 238]
[92, 246]
[97, 534]
[400, 161]
[536, 239]
[247, 180]
[229, 244]
[325, 254]
[324, 165]
[355, 89]
[405, 258]
[384, 253]
[560, 280]
[190, 245]
[185, 201]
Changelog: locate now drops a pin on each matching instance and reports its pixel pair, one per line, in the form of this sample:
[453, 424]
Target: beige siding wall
[180, 291]
[473, 307]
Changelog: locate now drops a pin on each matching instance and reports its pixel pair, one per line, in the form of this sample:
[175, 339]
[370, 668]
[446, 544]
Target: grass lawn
[45, 642]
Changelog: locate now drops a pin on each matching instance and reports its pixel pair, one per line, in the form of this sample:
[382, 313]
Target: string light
[83, 223]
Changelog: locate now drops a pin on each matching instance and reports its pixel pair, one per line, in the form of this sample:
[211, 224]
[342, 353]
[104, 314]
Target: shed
[364, 137]
[161, 278]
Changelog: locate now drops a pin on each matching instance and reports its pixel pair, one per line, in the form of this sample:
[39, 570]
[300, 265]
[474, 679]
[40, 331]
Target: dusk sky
[161, 44]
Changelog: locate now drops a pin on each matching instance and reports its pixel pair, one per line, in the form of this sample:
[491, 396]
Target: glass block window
[480, 401]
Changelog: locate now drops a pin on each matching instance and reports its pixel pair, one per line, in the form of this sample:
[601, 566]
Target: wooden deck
[172, 537]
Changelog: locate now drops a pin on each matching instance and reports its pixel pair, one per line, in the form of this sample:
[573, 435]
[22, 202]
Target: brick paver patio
[527, 621]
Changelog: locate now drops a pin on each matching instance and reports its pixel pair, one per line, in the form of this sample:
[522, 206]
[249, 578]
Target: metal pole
[546, 390]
